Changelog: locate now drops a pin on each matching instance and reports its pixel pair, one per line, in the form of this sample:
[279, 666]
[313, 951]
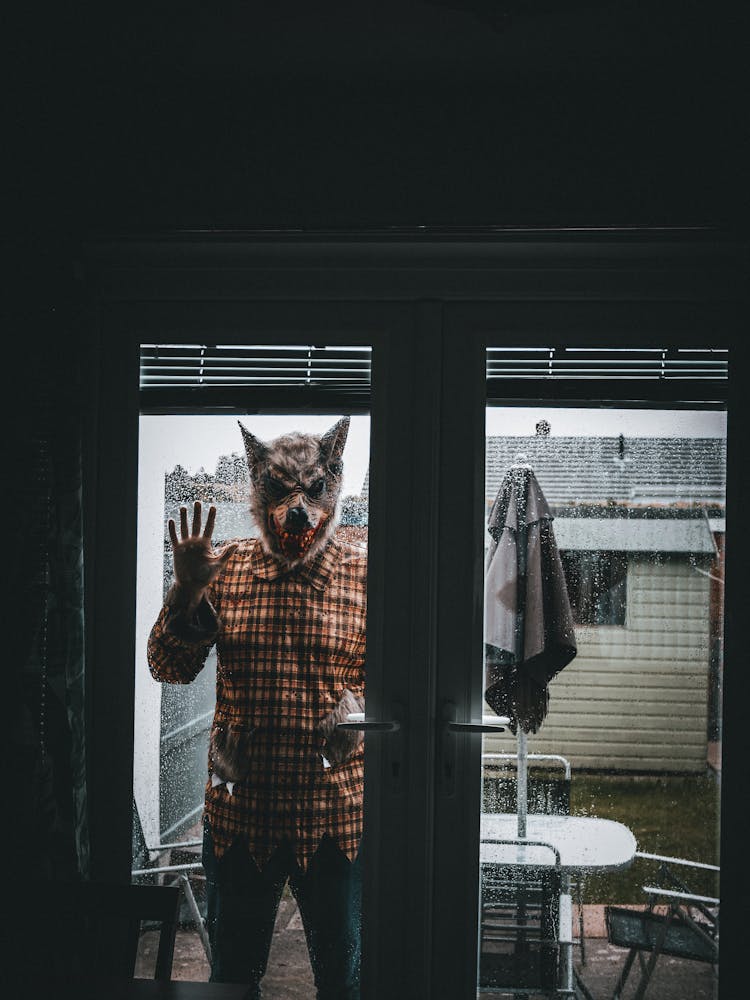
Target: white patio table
[586, 843]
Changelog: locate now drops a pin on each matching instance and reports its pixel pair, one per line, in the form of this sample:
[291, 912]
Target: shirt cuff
[199, 627]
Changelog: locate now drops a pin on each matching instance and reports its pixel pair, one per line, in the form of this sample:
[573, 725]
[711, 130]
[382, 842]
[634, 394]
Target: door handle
[489, 724]
[395, 747]
[356, 721]
[450, 730]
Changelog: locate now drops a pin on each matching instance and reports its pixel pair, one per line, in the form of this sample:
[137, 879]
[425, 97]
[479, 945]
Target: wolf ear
[254, 448]
[332, 445]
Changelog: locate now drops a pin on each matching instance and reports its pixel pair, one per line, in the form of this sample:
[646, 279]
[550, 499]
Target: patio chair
[525, 928]
[89, 930]
[171, 874]
[547, 794]
[675, 921]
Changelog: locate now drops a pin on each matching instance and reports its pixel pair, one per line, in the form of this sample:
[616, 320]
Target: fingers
[196, 527]
[197, 509]
[208, 530]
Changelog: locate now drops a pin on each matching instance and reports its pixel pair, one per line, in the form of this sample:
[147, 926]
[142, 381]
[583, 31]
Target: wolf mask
[295, 483]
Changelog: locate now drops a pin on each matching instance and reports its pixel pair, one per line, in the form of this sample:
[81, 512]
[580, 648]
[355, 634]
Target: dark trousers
[242, 906]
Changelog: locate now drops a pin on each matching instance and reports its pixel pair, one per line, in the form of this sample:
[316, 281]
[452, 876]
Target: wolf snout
[297, 519]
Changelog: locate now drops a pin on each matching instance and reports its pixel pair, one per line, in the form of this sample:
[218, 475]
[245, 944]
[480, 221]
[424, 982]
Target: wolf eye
[275, 487]
[316, 489]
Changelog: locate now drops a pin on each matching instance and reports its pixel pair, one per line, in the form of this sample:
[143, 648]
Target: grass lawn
[673, 815]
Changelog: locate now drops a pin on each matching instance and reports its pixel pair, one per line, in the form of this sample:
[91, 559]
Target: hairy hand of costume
[195, 562]
[341, 744]
[229, 751]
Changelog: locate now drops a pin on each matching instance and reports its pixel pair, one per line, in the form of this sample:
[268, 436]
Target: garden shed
[640, 526]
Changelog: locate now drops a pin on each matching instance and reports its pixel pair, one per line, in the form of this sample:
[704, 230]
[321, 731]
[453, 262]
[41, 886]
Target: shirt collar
[317, 572]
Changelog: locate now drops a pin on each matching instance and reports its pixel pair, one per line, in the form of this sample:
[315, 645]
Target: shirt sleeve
[178, 644]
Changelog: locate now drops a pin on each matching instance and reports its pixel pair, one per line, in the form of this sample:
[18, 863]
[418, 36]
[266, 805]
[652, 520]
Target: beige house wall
[636, 697]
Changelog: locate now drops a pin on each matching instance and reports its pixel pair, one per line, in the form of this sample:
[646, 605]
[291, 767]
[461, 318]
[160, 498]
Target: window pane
[596, 583]
[603, 625]
[314, 649]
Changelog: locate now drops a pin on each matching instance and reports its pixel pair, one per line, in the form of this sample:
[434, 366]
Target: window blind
[206, 366]
[175, 373]
[607, 363]
[616, 373]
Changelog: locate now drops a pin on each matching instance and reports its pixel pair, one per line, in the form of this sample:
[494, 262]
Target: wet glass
[620, 744]
[184, 458]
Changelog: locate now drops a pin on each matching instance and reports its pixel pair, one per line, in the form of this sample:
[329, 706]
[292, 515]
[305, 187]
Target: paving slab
[289, 976]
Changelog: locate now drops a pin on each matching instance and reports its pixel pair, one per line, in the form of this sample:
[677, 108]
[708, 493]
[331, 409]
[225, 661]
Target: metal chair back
[548, 791]
[520, 929]
[674, 922]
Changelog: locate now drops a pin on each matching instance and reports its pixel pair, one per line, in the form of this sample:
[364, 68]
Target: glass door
[434, 743]
[192, 449]
[201, 458]
[581, 658]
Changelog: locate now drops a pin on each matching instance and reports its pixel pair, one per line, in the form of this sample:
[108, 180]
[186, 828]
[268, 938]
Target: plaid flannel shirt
[288, 644]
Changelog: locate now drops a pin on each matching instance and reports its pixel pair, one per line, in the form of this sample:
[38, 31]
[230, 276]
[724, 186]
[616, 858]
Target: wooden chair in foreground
[89, 930]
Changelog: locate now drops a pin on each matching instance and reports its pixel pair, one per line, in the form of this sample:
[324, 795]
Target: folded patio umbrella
[529, 634]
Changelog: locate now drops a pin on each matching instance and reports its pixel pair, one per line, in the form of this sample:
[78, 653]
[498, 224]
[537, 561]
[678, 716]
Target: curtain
[44, 537]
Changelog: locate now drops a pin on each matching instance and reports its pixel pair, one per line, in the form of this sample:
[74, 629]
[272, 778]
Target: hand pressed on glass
[195, 562]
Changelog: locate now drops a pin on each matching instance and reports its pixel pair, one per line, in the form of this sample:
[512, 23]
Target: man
[287, 612]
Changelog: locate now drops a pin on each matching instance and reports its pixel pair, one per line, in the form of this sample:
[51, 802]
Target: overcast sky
[198, 441]
[601, 422]
[195, 441]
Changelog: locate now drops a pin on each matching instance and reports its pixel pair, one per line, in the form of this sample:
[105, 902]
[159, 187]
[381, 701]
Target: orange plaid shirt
[288, 644]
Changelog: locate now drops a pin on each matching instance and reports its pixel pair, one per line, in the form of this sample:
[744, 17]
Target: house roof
[643, 472]
[598, 534]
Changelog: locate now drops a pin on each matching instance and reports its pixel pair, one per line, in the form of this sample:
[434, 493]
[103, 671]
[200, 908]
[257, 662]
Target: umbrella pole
[521, 745]
[522, 782]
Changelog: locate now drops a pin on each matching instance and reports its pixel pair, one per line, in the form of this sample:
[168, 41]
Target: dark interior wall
[624, 112]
